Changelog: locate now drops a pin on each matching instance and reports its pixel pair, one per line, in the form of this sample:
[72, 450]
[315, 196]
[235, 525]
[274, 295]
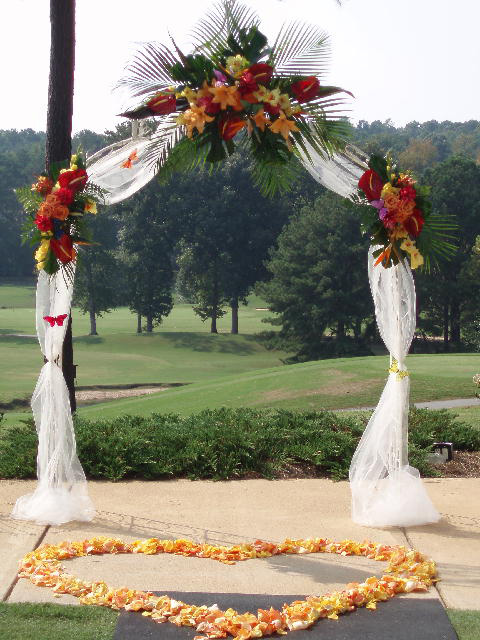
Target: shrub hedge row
[227, 443]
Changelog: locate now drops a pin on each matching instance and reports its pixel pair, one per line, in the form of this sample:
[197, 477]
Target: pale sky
[405, 60]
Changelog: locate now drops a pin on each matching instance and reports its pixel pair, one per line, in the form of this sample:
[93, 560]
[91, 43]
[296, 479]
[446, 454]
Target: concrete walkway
[231, 512]
[454, 403]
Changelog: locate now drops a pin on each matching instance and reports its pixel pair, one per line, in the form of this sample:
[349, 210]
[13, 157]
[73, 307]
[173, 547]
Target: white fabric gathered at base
[61, 494]
[386, 490]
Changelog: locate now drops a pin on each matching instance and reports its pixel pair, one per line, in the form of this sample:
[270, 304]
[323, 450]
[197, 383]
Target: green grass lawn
[324, 384]
[46, 621]
[219, 370]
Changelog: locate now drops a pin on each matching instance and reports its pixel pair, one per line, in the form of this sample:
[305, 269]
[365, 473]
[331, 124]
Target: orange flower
[283, 125]
[260, 120]
[52, 208]
[226, 96]
[194, 118]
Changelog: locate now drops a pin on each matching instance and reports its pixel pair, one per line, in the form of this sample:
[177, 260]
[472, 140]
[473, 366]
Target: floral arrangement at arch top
[234, 83]
[400, 218]
[57, 205]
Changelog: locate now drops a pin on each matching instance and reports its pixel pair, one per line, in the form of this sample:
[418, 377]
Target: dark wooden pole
[59, 126]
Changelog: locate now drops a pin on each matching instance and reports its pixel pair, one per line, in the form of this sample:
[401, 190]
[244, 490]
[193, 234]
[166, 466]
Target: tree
[147, 250]
[98, 276]
[319, 276]
[226, 228]
[447, 294]
[419, 155]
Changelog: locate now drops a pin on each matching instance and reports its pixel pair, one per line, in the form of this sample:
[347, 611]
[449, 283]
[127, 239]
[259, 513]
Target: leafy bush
[227, 443]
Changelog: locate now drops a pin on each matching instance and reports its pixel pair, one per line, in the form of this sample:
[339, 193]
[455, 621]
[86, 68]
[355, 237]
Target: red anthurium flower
[414, 223]
[65, 196]
[210, 107]
[230, 125]
[73, 179]
[162, 103]
[371, 184]
[305, 90]
[63, 248]
[44, 223]
[247, 83]
[261, 72]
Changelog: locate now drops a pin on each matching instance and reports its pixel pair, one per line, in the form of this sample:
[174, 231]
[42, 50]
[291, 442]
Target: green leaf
[379, 164]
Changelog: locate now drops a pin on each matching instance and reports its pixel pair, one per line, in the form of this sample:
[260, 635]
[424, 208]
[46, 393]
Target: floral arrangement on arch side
[400, 217]
[57, 204]
[234, 83]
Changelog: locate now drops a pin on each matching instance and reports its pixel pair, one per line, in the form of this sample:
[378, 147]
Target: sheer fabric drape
[61, 493]
[386, 490]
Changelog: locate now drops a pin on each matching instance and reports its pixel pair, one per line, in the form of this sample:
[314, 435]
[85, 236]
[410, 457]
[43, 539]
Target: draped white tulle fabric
[386, 491]
[61, 494]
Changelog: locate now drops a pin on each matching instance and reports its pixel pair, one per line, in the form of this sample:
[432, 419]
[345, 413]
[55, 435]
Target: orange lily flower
[283, 125]
[226, 96]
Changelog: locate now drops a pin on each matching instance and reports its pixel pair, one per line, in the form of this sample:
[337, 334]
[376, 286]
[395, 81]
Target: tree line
[211, 238]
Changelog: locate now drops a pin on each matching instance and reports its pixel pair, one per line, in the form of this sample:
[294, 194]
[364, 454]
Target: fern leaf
[30, 200]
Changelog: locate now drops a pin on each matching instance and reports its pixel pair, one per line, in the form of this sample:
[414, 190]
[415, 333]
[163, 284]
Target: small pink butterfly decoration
[56, 319]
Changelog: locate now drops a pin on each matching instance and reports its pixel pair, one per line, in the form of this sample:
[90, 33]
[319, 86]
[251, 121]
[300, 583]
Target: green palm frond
[163, 141]
[30, 200]
[300, 50]
[186, 155]
[436, 242]
[149, 70]
[227, 18]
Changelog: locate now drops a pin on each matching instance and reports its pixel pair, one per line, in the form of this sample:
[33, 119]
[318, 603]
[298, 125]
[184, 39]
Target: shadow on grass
[8, 336]
[88, 339]
[210, 343]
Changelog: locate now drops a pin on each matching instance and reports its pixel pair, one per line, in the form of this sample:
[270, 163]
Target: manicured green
[466, 623]
[227, 443]
[324, 384]
[28, 621]
[15, 297]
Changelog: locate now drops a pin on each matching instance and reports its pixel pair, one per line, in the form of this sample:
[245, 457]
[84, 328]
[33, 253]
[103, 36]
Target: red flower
[44, 223]
[247, 83]
[271, 109]
[371, 184]
[73, 179]
[408, 192]
[63, 248]
[230, 125]
[305, 90]
[65, 196]
[414, 223]
[261, 73]
[43, 185]
[161, 104]
[210, 107]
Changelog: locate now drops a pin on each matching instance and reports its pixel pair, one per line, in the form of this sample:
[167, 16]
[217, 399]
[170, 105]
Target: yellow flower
[194, 118]
[283, 126]
[389, 190]
[226, 96]
[41, 252]
[236, 64]
[189, 94]
[260, 120]
[416, 258]
[90, 206]
[284, 103]
[272, 96]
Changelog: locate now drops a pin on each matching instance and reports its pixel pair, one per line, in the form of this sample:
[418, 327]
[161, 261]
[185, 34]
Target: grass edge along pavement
[32, 621]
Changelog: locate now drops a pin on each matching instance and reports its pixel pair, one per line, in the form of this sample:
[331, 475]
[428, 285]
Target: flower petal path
[408, 570]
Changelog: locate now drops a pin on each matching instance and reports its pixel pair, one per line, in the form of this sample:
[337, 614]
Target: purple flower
[219, 76]
[382, 211]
